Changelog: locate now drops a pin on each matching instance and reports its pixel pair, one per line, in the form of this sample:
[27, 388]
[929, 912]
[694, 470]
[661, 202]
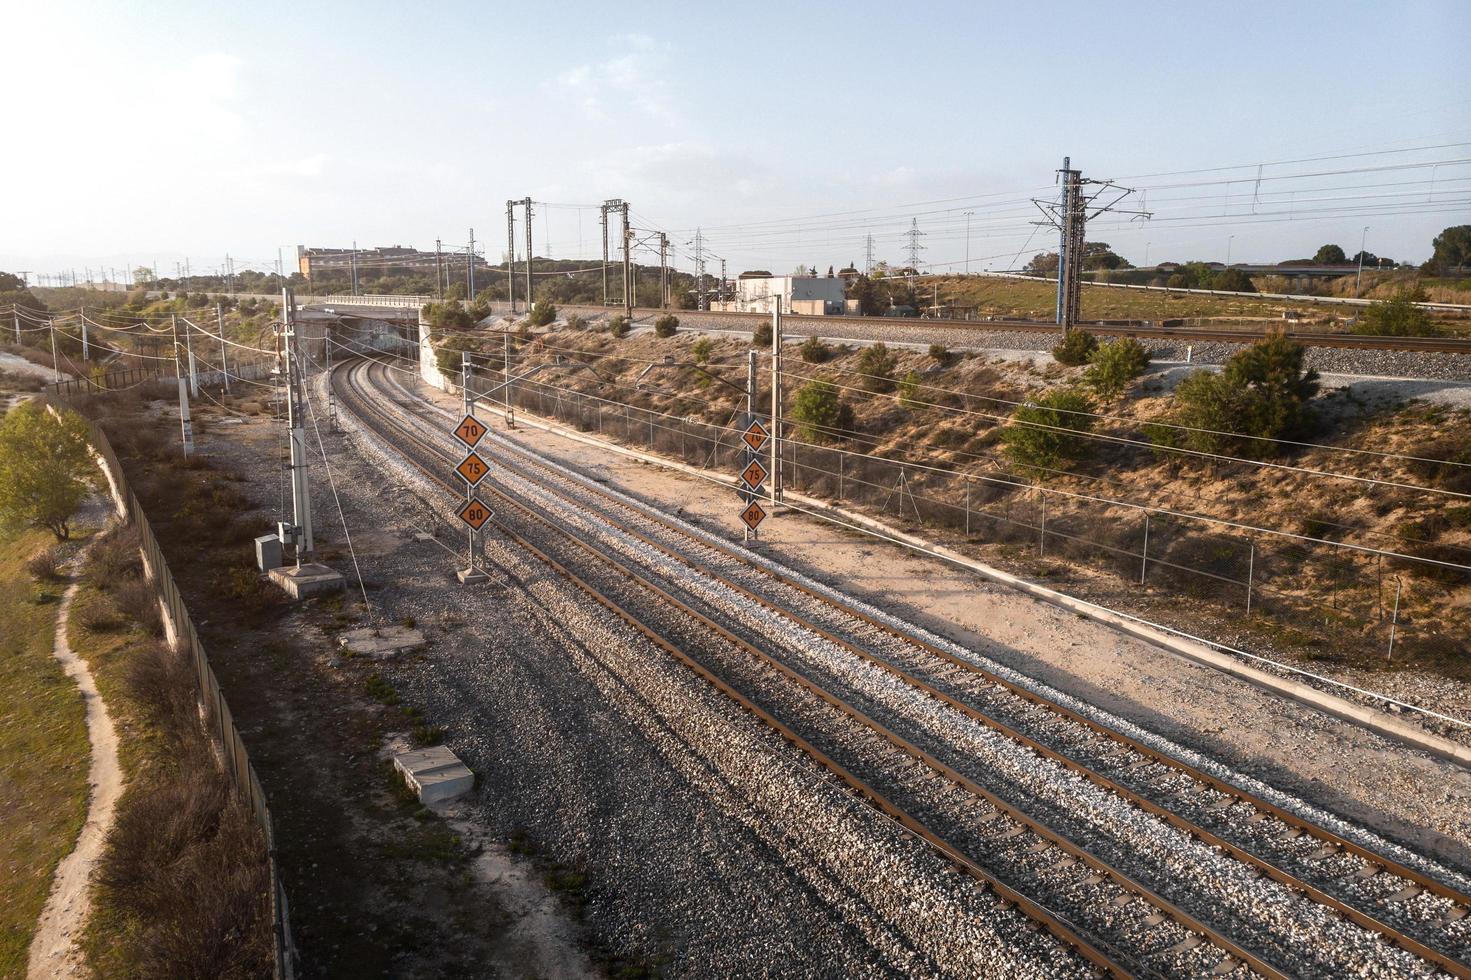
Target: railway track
[825, 326]
[1289, 897]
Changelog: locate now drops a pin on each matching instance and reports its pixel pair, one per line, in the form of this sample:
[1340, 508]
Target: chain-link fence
[1319, 596]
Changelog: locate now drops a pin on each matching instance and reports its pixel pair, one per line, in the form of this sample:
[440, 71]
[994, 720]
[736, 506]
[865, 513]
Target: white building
[811, 295]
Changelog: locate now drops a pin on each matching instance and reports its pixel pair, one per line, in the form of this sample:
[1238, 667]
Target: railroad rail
[805, 324]
[1225, 835]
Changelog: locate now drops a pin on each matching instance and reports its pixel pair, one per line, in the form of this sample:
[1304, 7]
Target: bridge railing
[374, 299]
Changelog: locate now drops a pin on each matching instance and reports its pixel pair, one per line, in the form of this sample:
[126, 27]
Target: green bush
[761, 336]
[1114, 366]
[814, 351]
[542, 313]
[877, 365]
[1263, 391]
[909, 395]
[575, 322]
[1076, 348]
[940, 353]
[618, 326]
[1397, 316]
[702, 350]
[1049, 433]
[818, 410]
[666, 325]
[449, 314]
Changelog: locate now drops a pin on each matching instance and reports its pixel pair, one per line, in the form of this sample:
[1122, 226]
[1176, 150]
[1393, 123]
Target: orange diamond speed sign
[753, 515]
[474, 513]
[754, 474]
[755, 435]
[472, 468]
[470, 431]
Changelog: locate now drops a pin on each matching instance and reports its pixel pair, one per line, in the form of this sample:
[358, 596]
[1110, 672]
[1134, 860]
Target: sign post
[752, 476]
[472, 469]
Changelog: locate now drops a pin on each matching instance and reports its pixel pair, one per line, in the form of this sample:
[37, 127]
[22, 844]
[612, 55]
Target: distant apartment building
[810, 295]
[392, 260]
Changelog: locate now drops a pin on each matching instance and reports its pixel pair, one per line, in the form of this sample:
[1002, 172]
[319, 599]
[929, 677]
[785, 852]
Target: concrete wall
[428, 365]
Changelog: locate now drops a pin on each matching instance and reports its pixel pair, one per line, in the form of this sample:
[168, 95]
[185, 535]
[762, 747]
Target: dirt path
[54, 952]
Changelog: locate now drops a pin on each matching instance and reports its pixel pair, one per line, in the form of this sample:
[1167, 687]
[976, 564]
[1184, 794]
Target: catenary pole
[511, 253]
[186, 426]
[775, 477]
[301, 501]
[224, 360]
[530, 295]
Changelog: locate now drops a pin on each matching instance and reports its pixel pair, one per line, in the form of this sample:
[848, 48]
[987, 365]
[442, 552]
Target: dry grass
[182, 888]
[45, 565]
[43, 754]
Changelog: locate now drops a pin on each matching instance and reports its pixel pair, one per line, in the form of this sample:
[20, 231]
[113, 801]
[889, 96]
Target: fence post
[842, 466]
[967, 505]
[1250, 573]
[1042, 535]
[1394, 623]
[1144, 559]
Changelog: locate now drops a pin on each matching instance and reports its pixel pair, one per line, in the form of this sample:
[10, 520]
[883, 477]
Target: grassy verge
[181, 889]
[43, 749]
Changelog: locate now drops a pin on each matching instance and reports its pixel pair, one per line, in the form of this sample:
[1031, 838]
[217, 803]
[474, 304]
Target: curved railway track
[1384, 897]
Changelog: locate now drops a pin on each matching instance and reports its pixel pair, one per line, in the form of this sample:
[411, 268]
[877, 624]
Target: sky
[788, 133]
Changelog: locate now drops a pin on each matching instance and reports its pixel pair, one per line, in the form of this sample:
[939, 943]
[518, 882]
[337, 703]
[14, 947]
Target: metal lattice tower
[914, 247]
[1069, 214]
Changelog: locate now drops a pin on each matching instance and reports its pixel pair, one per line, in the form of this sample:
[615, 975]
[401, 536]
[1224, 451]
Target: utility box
[268, 552]
[434, 774]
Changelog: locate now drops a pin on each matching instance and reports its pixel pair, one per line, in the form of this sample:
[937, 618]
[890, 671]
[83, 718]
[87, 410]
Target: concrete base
[434, 774]
[307, 580]
[384, 641]
[471, 576]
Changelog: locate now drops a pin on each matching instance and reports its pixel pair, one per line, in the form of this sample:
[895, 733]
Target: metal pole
[468, 406]
[605, 253]
[17, 325]
[967, 506]
[193, 372]
[1042, 536]
[438, 271]
[470, 268]
[1359, 277]
[224, 360]
[1250, 575]
[82, 313]
[511, 253]
[354, 268]
[1144, 563]
[301, 501]
[55, 361]
[530, 293]
[506, 387]
[186, 425]
[1394, 622]
[627, 266]
[663, 270]
[776, 404]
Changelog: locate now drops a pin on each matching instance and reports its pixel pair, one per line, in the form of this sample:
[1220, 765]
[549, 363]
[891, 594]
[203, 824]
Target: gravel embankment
[710, 847]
